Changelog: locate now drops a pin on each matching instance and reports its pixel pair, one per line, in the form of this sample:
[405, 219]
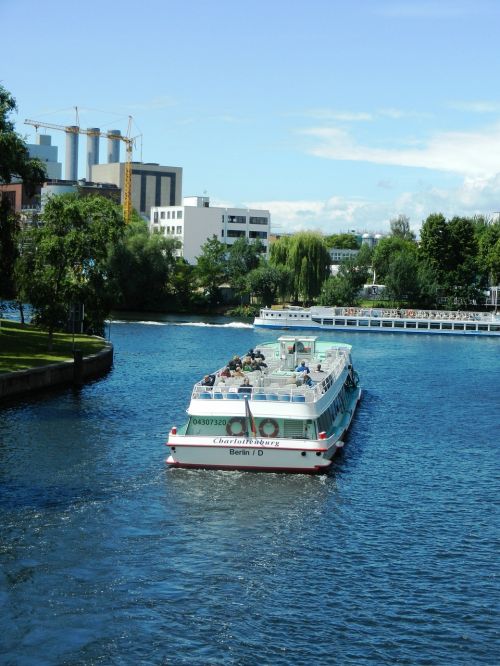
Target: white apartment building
[195, 221]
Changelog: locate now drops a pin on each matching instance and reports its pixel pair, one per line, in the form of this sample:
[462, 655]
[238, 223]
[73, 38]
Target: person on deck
[245, 387]
[302, 367]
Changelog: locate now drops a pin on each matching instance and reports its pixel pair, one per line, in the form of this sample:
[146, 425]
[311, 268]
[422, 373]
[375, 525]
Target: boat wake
[232, 324]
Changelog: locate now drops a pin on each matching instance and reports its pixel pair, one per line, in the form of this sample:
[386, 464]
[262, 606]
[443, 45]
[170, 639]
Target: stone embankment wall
[73, 372]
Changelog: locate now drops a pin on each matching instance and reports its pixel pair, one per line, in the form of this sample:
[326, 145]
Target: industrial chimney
[92, 149]
[71, 170]
[114, 147]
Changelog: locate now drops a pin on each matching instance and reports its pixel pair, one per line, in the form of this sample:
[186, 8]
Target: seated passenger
[302, 367]
[234, 362]
[238, 372]
[245, 387]
[259, 355]
[226, 372]
[247, 364]
[208, 380]
[318, 368]
[306, 379]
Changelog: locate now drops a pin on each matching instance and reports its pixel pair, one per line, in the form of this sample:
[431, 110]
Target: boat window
[363, 322]
[470, 327]
[327, 322]
[435, 324]
[399, 324]
[410, 324]
[374, 322]
[459, 327]
[446, 326]
[423, 324]
[482, 327]
[387, 324]
[351, 322]
[494, 328]
[340, 322]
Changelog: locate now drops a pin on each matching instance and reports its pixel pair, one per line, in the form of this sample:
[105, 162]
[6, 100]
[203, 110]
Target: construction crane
[129, 143]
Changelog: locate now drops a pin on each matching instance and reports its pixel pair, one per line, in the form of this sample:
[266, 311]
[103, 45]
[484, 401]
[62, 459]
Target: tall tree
[267, 282]
[385, 252]
[400, 228]
[307, 258]
[211, 268]
[15, 165]
[65, 260]
[141, 267]
[243, 256]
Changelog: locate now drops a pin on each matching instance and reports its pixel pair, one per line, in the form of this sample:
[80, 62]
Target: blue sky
[335, 115]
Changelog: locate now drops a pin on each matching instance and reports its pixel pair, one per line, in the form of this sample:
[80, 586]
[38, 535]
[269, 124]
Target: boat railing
[408, 313]
[276, 384]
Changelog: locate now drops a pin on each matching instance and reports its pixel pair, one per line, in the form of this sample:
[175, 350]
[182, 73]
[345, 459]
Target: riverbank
[27, 366]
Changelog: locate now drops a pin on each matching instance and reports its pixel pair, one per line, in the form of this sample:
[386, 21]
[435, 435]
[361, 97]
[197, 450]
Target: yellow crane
[129, 143]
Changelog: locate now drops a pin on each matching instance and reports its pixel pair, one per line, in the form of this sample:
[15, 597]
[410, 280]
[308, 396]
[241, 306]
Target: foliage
[385, 252]
[246, 311]
[267, 282]
[64, 262]
[15, 164]
[211, 268]
[307, 258]
[400, 228]
[243, 257]
[342, 241]
[142, 269]
[344, 288]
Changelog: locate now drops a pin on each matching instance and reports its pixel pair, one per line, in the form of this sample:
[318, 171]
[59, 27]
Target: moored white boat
[275, 424]
[382, 320]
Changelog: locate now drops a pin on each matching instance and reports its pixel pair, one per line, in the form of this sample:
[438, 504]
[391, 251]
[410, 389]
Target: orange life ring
[262, 428]
[237, 419]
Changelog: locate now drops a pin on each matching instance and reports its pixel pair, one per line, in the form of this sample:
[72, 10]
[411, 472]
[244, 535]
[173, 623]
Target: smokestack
[114, 147]
[71, 171]
[92, 149]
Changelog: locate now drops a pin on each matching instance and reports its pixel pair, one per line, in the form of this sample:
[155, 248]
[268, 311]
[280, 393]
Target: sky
[335, 115]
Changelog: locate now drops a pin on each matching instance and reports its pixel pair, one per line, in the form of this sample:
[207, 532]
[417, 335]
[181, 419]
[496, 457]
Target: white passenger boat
[273, 425]
[382, 320]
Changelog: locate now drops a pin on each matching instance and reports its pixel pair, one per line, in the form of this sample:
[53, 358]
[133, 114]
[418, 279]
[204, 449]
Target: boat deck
[277, 381]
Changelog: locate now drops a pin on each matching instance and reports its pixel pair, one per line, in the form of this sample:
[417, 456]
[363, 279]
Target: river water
[107, 557]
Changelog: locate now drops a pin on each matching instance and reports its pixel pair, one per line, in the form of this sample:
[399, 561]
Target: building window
[162, 215]
[257, 234]
[179, 230]
[237, 219]
[258, 220]
[235, 233]
[179, 214]
[155, 216]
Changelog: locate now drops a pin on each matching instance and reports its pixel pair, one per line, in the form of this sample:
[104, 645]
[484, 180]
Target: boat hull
[259, 454]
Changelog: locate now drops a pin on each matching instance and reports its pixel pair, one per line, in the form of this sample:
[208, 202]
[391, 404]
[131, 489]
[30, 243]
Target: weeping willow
[306, 257]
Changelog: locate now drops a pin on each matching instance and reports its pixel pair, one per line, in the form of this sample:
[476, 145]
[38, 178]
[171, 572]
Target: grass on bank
[24, 347]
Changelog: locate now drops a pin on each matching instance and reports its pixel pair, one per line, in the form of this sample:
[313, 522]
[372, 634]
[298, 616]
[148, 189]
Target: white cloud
[467, 153]
[336, 214]
[478, 106]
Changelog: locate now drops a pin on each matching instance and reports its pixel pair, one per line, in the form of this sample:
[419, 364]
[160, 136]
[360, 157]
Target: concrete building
[43, 150]
[152, 185]
[195, 221]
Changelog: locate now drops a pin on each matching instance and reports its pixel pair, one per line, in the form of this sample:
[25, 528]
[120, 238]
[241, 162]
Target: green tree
[386, 250]
[401, 280]
[243, 256]
[488, 240]
[211, 268]
[267, 282]
[142, 268]
[400, 228]
[342, 241]
[64, 261]
[15, 165]
[308, 260]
